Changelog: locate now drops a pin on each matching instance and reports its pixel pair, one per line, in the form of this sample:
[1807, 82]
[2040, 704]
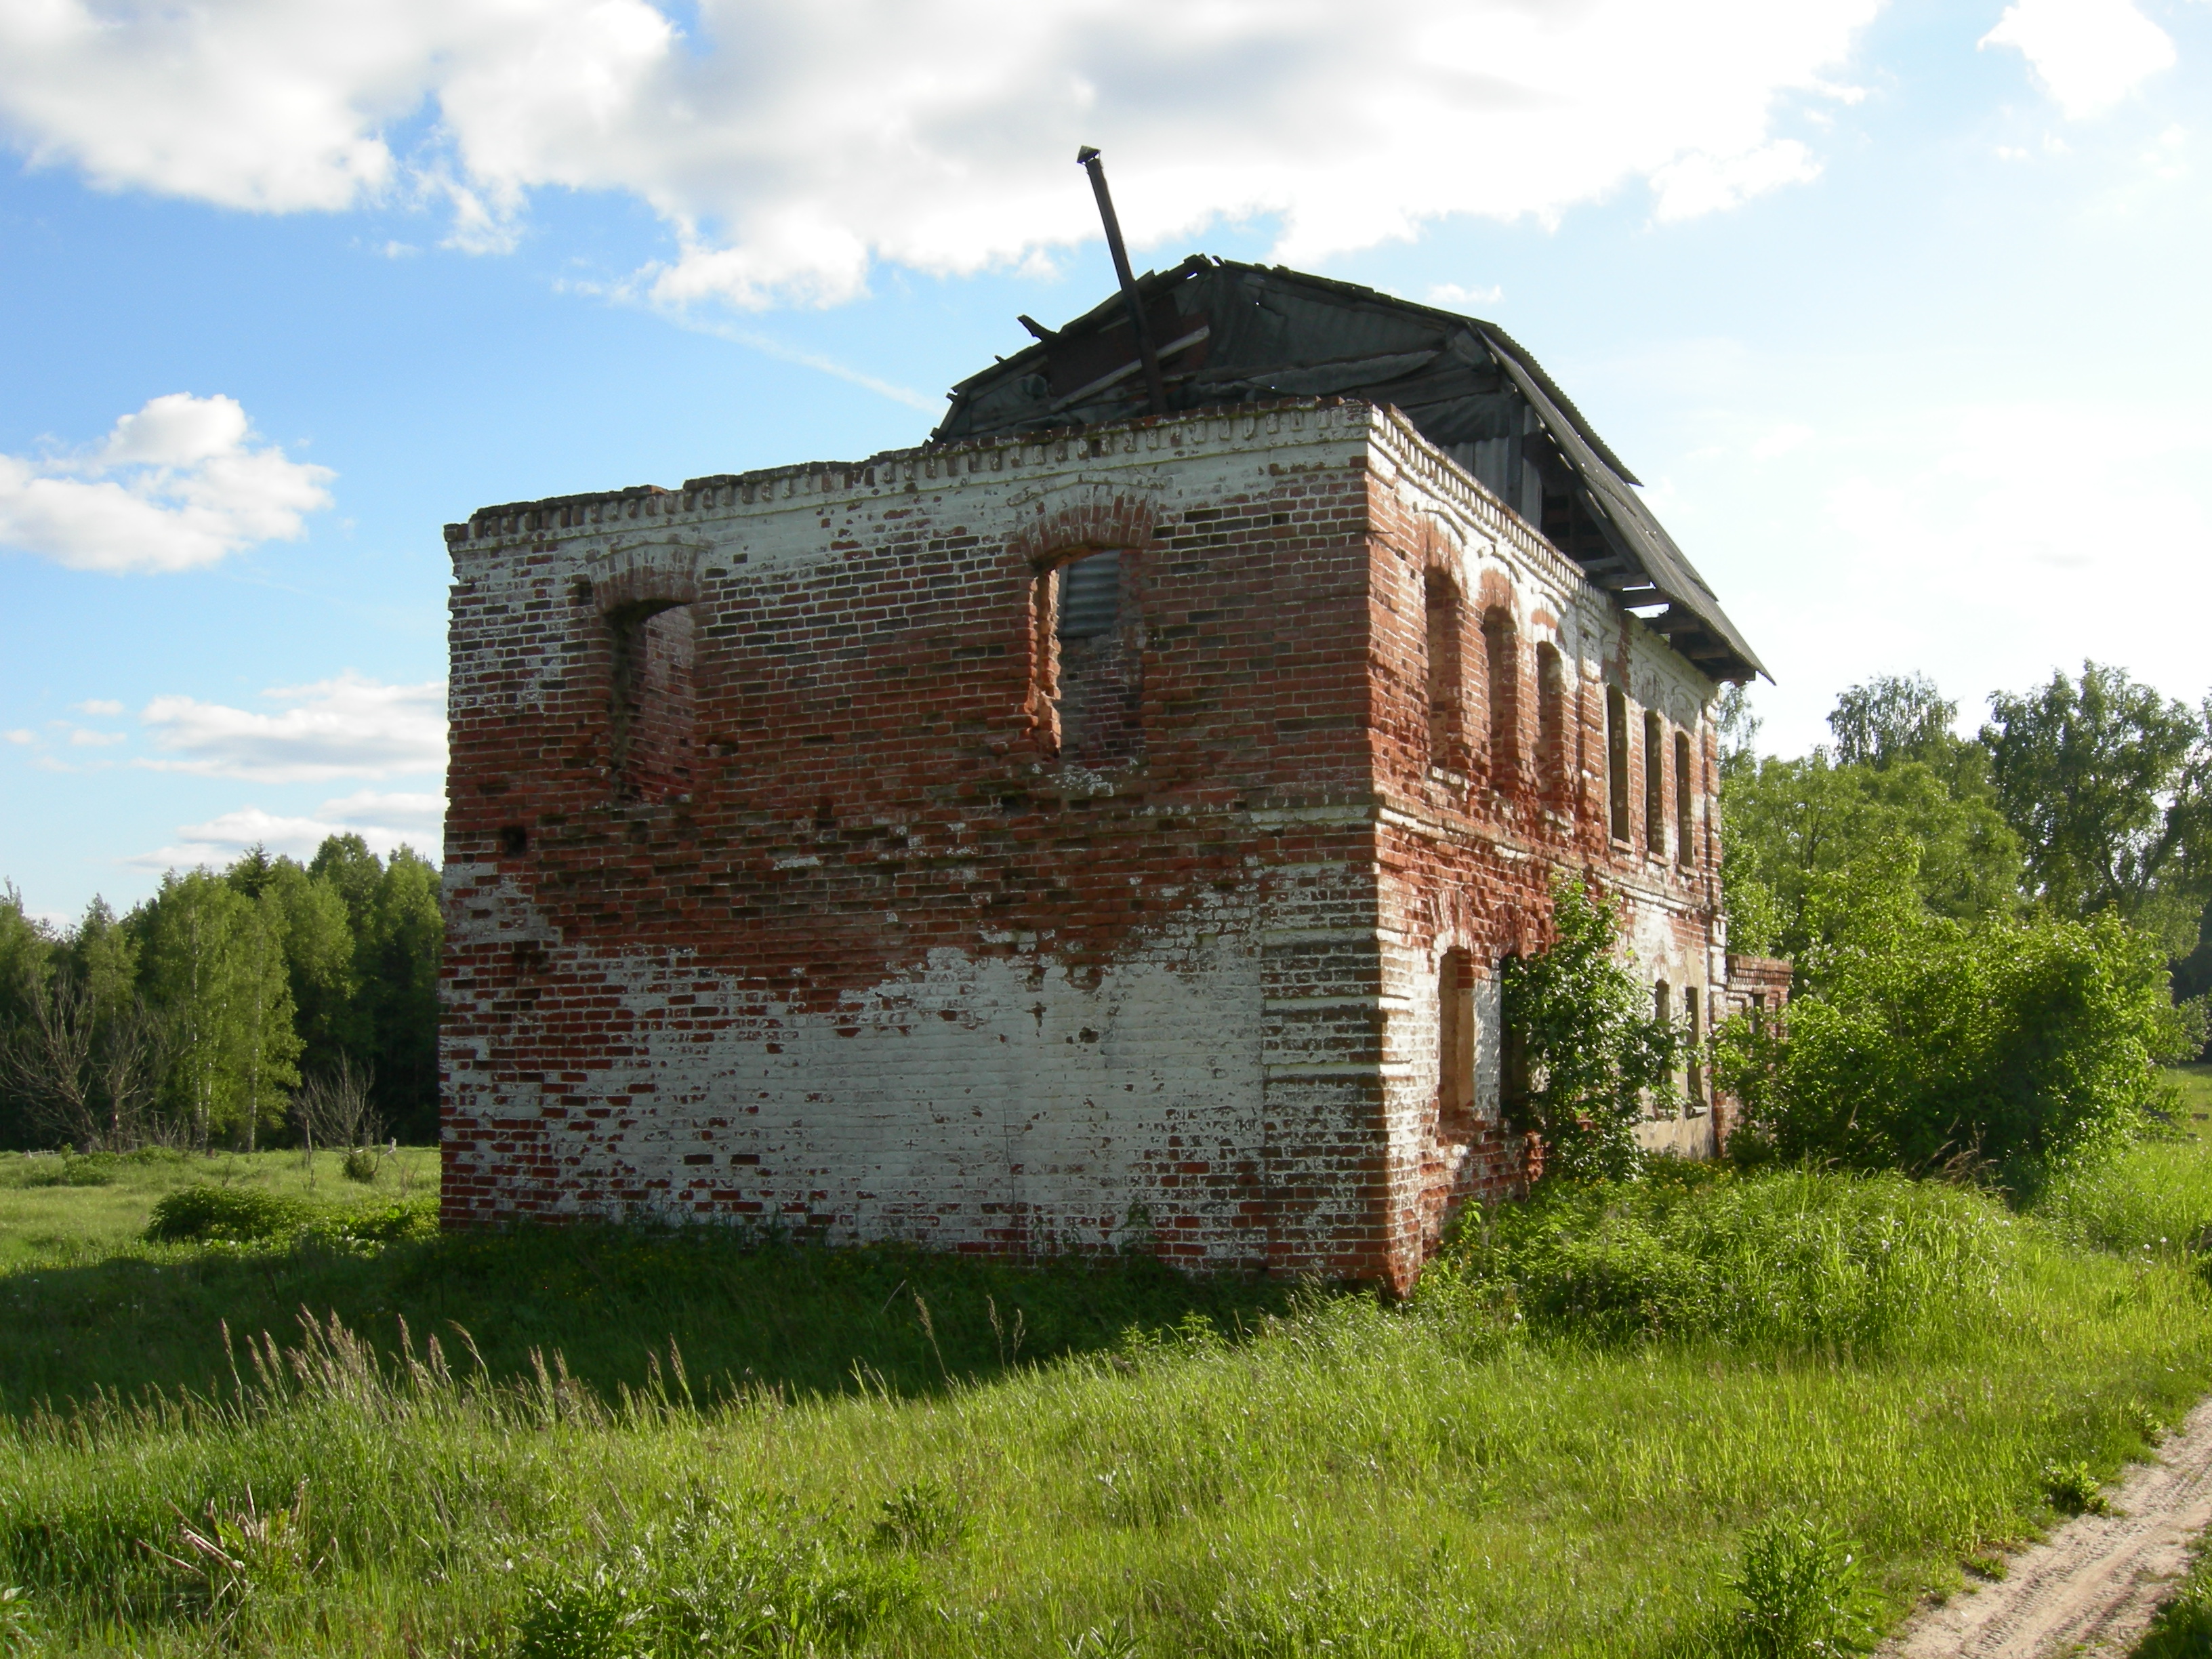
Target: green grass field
[634, 1443]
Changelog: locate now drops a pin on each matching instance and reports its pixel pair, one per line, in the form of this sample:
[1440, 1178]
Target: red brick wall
[886, 963]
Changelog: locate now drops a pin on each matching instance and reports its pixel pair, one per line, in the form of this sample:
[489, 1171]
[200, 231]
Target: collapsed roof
[1226, 333]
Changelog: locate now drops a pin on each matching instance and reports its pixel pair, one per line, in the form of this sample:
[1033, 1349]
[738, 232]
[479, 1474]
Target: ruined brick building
[1091, 825]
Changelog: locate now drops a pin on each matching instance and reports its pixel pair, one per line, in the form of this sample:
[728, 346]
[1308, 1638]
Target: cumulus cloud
[790, 146]
[383, 821]
[178, 485]
[98, 706]
[347, 727]
[2088, 54]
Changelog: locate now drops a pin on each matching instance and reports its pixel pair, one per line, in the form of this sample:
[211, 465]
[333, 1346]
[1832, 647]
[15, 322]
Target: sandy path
[2092, 1586]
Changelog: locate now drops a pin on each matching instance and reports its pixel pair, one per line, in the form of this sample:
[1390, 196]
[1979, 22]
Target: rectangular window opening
[1502, 674]
[1447, 742]
[654, 709]
[1686, 828]
[1455, 1040]
[1552, 720]
[1097, 697]
[1616, 760]
[1655, 787]
[1693, 1076]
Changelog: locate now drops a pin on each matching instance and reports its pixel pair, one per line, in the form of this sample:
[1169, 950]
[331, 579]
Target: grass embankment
[1555, 1448]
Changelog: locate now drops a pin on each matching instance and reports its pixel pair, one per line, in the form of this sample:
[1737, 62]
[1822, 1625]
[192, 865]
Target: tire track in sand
[2094, 1585]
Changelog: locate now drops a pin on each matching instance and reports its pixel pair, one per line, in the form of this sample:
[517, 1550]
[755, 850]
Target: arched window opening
[1685, 831]
[1092, 679]
[1551, 719]
[1501, 685]
[1655, 788]
[654, 704]
[1447, 743]
[1616, 760]
[1456, 1056]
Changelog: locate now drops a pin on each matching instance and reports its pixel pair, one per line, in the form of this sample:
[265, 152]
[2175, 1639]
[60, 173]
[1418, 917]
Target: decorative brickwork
[790, 881]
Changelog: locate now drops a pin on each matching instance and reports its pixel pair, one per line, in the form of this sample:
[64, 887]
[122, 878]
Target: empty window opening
[1096, 696]
[655, 705]
[1685, 804]
[1655, 788]
[1551, 718]
[1616, 760]
[1455, 1039]
[1759, 1013]
[1693, 1075]
[514, 841]
[1447, 743]
[1662, 1002]
[1502, 683]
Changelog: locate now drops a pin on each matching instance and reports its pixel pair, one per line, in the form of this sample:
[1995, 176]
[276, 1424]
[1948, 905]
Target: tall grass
[1556, 1449]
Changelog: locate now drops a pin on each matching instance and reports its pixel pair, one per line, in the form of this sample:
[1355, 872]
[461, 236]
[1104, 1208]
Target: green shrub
[2022, 1046]
[1798, 1591]
[241, 1214]
[2073, 1489]
[923, 1516]
[1791, 1258]
[1592, 1059]
[716, 1584]
[361, 1165]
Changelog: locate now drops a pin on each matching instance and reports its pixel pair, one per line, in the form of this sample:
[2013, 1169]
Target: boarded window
[1551, 719]
[1501, 655]
[1686, 835]
[1097, 697]
[1447, 741]
[1655, 788]
[655, 700]
[1616, 760]
[1455, 1039]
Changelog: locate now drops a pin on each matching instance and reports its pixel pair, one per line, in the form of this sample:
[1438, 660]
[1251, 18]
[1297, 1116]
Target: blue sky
[1899, 312]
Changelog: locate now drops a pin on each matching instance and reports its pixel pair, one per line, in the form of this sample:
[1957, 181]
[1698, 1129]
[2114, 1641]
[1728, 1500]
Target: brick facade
[828, 850]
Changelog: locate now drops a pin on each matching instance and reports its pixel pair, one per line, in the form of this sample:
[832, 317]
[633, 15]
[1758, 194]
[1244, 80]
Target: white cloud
[789, 146]
[2088, 54]
[18, 735]
[1454, 297]
[383, 821]
[349, 727]
[178, 485]
[98, 706]
[1702, 184]
[85, 738]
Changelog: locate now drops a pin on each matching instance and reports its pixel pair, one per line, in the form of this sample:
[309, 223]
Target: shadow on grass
[742, 1313]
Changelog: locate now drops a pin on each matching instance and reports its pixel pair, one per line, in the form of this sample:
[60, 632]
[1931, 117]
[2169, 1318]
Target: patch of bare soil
[2094, 1585]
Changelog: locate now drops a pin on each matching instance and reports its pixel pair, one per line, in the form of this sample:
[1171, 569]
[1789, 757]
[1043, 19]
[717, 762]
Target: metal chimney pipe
[1155, 389]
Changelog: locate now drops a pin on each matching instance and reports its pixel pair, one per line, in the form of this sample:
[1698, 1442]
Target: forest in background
[198, 1018]
[2083, 796]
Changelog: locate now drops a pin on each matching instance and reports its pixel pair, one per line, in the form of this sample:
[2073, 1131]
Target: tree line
[205, 1015]
[1997, 938]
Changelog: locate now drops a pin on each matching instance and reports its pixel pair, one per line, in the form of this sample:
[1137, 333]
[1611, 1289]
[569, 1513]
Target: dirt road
[2092, 1587]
